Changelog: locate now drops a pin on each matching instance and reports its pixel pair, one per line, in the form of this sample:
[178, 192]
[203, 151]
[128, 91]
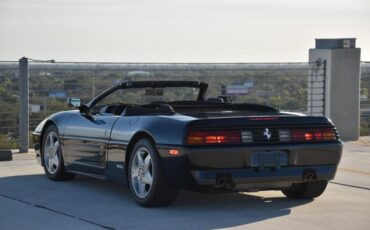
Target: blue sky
[177, 31]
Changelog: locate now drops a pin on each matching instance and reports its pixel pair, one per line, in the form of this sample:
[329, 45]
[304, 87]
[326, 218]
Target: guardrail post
[23, 110]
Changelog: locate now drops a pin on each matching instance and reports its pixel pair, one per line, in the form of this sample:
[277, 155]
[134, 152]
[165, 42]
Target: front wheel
[306, 190]
[52, 157]
[147, 180]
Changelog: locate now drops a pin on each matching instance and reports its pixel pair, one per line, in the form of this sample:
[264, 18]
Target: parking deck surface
[28, 200]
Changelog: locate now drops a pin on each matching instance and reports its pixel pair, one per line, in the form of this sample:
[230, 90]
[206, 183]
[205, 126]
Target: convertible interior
[208, 108]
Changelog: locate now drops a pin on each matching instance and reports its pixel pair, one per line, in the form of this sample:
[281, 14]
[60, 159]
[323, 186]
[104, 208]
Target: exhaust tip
[226, 181]
[309, 175]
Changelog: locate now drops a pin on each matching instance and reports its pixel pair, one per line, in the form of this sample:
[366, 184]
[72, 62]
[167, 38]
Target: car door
[86, 142]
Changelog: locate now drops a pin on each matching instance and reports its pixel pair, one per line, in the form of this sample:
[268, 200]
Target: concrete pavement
[28, 200]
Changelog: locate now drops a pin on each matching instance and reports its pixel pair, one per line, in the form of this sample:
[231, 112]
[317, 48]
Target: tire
[52, 156]
[147, 181]
[306, 190]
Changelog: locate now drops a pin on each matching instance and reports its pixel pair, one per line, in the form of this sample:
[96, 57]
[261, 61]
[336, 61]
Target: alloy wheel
[142, 172]
[51, 152]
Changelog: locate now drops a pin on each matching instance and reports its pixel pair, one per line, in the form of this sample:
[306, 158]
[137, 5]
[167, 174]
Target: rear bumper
[248, 175]
[328, 153]
[205, 165]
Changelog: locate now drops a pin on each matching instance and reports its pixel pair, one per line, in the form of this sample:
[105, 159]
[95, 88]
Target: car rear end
[256, 153]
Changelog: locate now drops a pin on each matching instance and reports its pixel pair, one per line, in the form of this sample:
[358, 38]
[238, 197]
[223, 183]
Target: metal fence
[9, 104]
[365, 86]
[297, 87]
[364, 98]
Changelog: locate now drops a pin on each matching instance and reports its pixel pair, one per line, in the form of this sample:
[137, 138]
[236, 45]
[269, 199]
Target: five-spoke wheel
[52, 156]
[142, 172]
[147, 180]
[51, 152]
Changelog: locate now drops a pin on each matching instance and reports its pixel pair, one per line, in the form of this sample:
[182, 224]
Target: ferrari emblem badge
[267, 134]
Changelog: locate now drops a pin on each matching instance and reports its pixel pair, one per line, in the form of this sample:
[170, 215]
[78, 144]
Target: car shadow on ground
[108, 204]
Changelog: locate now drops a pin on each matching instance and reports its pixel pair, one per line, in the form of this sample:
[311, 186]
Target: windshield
[140, 96]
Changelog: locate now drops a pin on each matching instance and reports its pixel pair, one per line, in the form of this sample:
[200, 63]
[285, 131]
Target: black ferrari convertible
[159, 136]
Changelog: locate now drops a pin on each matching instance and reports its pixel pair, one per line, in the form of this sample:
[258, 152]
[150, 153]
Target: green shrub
[364, 128]
[7, 143]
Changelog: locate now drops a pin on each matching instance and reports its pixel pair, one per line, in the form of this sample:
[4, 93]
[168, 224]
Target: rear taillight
[327, 134]
[261, 136]
[215, 137]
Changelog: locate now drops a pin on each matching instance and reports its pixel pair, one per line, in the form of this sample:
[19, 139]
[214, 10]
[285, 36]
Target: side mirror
[77, 103]
[74, 102]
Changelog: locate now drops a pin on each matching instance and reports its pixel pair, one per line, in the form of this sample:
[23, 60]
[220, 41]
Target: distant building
[139, 73]
[57, 94]
[59, 74]
[35, 108]
[237, 89]
[44, 74]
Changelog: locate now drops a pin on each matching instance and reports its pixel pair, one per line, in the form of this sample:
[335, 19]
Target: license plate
[269, 159]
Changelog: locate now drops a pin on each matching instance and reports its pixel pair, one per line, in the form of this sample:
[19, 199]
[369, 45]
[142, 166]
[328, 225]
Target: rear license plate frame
[270, 158]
